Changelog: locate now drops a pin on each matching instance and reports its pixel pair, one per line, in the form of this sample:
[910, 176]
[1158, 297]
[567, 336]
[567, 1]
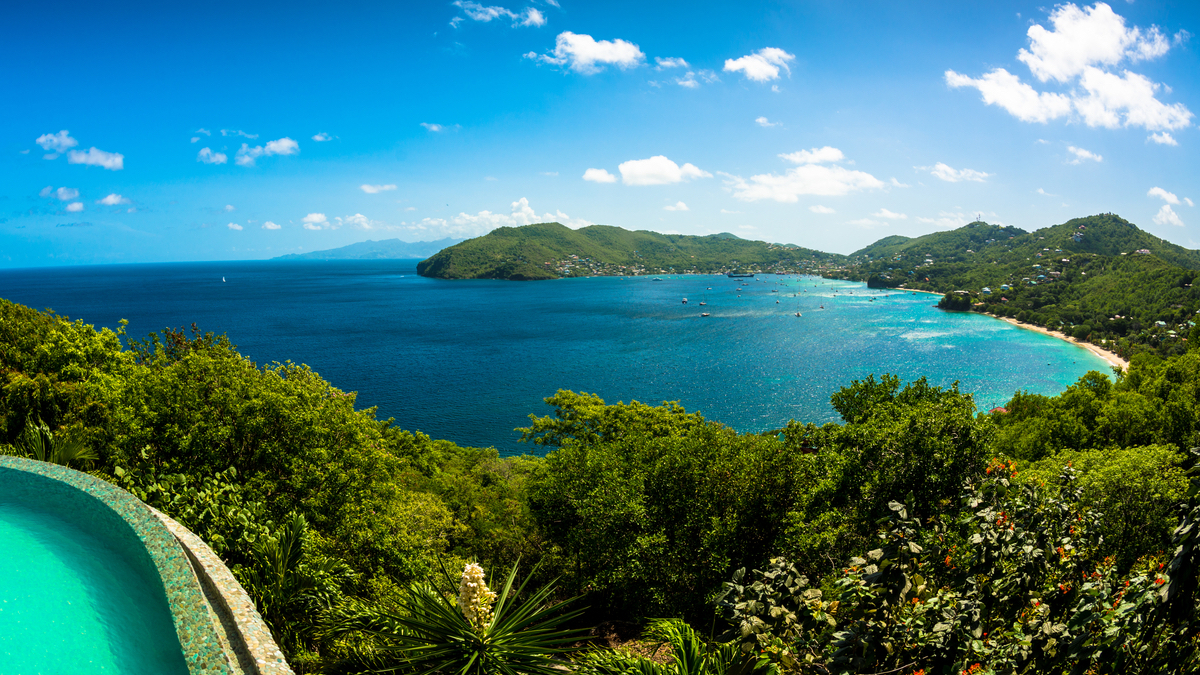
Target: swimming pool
[91, 582]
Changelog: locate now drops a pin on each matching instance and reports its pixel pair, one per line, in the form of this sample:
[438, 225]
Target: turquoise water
[71, 604]
[469, 360]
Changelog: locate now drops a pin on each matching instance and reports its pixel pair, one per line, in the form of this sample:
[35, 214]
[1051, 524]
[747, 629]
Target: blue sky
[148, 132]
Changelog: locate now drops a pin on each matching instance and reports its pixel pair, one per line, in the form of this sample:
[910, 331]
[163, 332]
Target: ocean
[469, 361]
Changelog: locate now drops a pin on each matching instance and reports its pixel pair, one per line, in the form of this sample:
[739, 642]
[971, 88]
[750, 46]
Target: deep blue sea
[468, 361]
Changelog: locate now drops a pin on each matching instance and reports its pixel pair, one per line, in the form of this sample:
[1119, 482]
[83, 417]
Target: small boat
[703, 303]
[799, 314]
[685, 301]
[657, 279]
[704, 314]
[222, 279]
[777, 302]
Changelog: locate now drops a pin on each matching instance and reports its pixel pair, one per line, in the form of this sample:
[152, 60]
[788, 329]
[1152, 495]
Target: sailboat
[222, 279]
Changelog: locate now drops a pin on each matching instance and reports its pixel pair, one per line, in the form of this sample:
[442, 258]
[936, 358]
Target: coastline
[1108, 356]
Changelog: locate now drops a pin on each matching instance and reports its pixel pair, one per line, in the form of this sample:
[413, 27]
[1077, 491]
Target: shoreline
[1108, 356]
[1111, 358]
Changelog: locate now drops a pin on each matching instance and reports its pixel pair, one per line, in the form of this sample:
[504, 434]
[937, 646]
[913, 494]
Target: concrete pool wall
[218, 628]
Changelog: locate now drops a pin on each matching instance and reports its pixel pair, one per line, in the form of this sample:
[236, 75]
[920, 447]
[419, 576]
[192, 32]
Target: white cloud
[75, 207]
[468, 225]
[1040, 191]
[599, 176]
[113, 161]
[283, 146]
[1126, 100]
[1167, 216]
[322, 137]
[1083, 44]
[549, 173]
[1168, 197]
[1163, 139]
[1082, 155]
[884, 213]
[815, 156]
[230, 207]
[1006, 90]
[58, 143]
[1085, 37]
[812, 177]
[671, 62]
[658, 170]
[688, 80]
[317, 219]
[951, 175]
[678, 206]
[238, 132]
[234, 226]
[433, 127]
[896, 183]
[588, 56]
[209, 157]
[949, 220]
[478, 12]
[195, 138]
[533, 17]
[376, 189]
[270, 226]
[728, 211]
[360, 221]
[64, 194]
[764, 122]
[112, 200]
[817, 208]
[204, 131]
[1189, 201]
[761, 66]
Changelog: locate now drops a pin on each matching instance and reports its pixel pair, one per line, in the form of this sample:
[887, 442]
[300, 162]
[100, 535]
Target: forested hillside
[1099, 278]
[551, 251]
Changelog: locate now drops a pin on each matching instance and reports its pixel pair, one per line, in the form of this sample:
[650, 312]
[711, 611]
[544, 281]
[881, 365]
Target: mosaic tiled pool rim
[202, 649]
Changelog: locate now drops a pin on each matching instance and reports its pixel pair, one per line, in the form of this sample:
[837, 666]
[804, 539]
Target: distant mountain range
[388, 249]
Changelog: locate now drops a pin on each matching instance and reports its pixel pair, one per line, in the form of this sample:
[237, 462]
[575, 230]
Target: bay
[468, 361]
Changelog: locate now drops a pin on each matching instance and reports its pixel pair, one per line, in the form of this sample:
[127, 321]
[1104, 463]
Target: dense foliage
[1099, 279]
[551, 250]
[917, 534]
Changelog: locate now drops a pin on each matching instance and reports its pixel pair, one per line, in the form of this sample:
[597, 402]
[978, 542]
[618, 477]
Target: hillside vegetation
[1098, 278]
[551, 251]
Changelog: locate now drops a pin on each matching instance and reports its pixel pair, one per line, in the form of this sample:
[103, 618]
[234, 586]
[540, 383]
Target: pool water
[70, 603]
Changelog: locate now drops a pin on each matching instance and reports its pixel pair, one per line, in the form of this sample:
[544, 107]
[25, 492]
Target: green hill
[1099, 278]
[388, 249]
[551, 251]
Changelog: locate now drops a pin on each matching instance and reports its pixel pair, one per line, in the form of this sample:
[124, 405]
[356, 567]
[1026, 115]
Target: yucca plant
[38, 442]
[432, 632]
[690, 655]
